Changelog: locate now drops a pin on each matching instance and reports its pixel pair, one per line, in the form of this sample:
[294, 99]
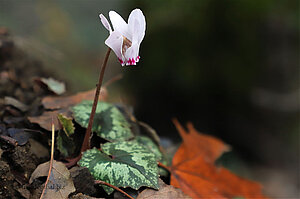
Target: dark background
[230, 67]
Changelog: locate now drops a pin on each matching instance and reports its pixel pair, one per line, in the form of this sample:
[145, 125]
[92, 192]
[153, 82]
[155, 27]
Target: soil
[23, 145]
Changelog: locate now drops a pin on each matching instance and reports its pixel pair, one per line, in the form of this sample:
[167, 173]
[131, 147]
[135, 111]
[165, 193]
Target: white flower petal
[132, 54]
[137, 25]
[115, 42]
[105, 22]
[119, 24]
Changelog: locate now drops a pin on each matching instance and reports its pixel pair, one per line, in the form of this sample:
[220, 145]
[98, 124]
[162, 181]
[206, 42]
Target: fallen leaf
[83, 180]
[109, 123]
[122, 164]
[52, 85]
[61, 105]
[60, 183]
[41, 151]
[15, 103]
[24, 192]
[165, 191]
[20, 135]
[67, 124]
[66, 102]
[64, 141]
[45, 119]
[194, 172]
[83, 196]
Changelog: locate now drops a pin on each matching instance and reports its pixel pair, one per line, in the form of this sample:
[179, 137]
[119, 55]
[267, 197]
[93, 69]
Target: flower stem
[114, 187]
[87, 138]
[164, 166]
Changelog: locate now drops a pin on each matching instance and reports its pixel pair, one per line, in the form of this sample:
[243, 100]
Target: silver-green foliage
[109, 123]
[123, 164]
[153, 148]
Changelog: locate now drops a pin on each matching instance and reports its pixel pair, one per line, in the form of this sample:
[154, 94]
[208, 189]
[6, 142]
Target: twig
[10, 140]
[164, 166]
[114, 187]
[87, 138]
[51, 160]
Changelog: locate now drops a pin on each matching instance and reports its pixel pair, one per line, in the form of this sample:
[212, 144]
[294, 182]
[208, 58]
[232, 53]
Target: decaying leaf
[109, 123]
[194, 172]
[52, 85]
[45, 119]
[60, 183]
[83, 180]
[66, 102]
[61, 105]
[20, 135]
[122, 164]
[15, 103]
[67, 124]
[65, 143]
[83, 196]
[165, 191]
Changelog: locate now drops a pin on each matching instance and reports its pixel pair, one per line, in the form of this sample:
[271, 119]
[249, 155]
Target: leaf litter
[194, 172]
[60, 183]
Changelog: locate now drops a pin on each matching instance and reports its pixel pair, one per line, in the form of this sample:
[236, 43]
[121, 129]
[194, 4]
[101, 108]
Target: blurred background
[230, 67]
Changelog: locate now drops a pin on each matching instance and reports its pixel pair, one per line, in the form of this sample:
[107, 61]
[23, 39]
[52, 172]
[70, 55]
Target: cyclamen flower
[125, 39]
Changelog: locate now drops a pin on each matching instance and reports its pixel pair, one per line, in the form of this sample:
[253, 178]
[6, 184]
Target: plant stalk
[87, 138]
[114, 187]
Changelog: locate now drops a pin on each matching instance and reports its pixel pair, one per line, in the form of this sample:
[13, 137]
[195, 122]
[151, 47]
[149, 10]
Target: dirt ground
[23, 145]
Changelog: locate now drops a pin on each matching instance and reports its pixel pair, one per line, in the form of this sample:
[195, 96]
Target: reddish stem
[87, 138]
[114, 187]
[164, 166]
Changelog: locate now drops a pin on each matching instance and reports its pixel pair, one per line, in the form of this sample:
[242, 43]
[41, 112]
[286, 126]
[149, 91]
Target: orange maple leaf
[194, 172]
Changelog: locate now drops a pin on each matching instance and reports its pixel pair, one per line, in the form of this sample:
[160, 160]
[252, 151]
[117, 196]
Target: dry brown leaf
[61, 105]
[65, 102]
[165, 191]
[194, 172]
[52, 85]
[45, 119]
[83, 196]
[60, 183]
[15, 103]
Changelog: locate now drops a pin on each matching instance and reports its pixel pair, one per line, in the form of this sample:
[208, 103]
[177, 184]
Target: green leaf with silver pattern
[122, 164]
[153, 148]
[109, 123]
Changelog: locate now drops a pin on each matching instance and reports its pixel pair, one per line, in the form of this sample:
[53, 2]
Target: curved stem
[51, 160]
[164, 166]
[114, 187]
[87, 138]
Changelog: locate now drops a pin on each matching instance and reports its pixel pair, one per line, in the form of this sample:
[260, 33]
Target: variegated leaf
[153, 148]
[109, 123]
[123, 164]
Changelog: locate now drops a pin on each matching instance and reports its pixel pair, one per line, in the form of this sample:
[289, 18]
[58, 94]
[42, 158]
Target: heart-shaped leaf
[122, 164]
[109, 123]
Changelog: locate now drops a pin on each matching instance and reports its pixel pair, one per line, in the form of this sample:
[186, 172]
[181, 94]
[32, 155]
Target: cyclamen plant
[125, 41]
